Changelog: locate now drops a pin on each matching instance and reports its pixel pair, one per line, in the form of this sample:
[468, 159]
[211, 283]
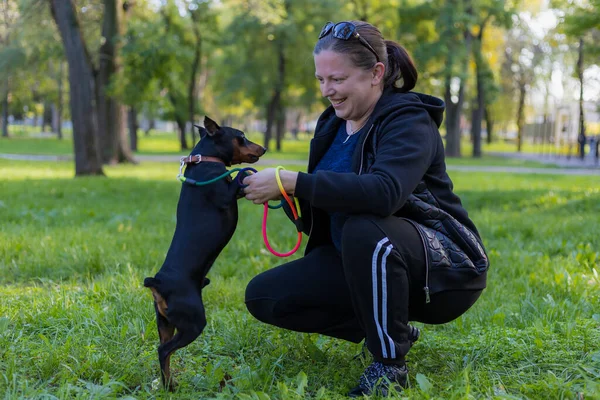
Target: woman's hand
[262, 186]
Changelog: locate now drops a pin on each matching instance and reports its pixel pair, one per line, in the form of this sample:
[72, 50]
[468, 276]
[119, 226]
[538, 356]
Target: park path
[564, 167]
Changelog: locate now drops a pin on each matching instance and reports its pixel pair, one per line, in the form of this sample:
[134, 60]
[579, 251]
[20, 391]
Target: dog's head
[228, 144]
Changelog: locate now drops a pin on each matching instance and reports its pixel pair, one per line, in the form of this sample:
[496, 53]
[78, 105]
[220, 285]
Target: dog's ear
[202, 131]
[211, 126]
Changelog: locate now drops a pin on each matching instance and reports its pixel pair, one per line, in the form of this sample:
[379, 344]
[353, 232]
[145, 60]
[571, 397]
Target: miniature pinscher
[206, 220]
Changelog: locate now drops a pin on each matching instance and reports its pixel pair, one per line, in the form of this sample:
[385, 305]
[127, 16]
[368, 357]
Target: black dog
[206, 219]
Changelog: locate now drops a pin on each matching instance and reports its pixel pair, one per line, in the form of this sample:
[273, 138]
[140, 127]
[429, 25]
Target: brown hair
[400, 70]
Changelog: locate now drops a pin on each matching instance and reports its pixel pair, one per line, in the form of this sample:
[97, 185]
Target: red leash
[293, 207]
[296, 219]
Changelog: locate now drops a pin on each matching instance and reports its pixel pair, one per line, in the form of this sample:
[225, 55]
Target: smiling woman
[389, 240]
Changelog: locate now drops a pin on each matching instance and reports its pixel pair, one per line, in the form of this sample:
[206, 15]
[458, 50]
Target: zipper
[311, 221]
[311, 155]
[426, 288]
[362, 150]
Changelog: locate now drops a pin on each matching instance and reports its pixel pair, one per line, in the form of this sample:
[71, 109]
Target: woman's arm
[405, 150]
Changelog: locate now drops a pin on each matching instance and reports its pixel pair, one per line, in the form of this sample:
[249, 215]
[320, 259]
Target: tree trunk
[5, 108]
[275, 106]
[181, 123]
[280, 115]
[57, 108]
[489, 123]
[453, 114]
[521, 114]
[581, 139]
[477, 116]
[280, 126]
[132, 121]
[477, 120]
[271, 115]
[81, 78]
[454, 109]
[193, 84]
[47, 116]
[181, 128]
[114, 141]
[151, 125]
[35, 115]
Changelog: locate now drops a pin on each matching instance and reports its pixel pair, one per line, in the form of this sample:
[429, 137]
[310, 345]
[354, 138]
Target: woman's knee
[259, 301]
[359, 228]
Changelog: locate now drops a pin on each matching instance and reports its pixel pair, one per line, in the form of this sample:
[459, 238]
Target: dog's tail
[150, 282]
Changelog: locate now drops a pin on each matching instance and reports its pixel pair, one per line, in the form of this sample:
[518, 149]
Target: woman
[389, 240]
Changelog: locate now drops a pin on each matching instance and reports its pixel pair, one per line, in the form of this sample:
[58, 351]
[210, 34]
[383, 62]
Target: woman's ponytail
[401, 72]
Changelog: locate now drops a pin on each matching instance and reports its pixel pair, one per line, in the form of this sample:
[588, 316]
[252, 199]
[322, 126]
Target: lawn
[75, 321]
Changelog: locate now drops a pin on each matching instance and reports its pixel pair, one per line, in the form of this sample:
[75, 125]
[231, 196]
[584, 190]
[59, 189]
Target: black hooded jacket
[398, 169]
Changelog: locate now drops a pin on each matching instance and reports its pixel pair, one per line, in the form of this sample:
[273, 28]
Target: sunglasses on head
[345, 30]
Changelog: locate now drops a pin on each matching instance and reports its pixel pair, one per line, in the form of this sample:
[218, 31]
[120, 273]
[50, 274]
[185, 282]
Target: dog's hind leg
[166, 331]
[165, 350]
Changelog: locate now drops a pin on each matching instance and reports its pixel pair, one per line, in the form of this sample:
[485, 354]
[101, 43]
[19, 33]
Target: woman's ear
[378, 74]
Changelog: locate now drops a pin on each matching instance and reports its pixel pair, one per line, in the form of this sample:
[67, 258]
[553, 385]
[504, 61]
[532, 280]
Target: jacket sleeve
[404, 152]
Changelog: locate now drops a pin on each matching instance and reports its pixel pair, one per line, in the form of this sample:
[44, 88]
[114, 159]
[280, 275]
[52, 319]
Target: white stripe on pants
[381, 327]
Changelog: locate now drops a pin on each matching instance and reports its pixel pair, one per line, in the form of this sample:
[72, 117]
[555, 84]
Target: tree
[437, 30]
[37, 81]
[523, 55]
[582, 22]
[8, 16]
[144, 62]
[485, 13]
[112, 117]
[182, 52]
[267, 58]
[82, 93]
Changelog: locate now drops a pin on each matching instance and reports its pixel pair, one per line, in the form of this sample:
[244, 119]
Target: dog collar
[198, 158]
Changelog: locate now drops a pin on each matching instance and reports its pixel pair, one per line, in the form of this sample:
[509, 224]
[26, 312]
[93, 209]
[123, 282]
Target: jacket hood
[393, 100]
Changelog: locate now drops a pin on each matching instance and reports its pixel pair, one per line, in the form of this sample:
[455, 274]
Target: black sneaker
[378, 377]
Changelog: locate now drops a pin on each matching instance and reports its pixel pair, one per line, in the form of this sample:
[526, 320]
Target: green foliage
[252, 34]
[75, 321]
[585, 17]
[158, 52]
[582, 20]
[30, 56]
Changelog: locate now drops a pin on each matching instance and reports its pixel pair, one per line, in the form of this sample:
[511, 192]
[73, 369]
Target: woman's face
[352, 91]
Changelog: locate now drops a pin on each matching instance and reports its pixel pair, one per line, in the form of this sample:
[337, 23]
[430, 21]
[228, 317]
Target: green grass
[75, 321]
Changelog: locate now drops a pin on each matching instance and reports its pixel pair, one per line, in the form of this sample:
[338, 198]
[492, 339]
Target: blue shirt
[338, 158]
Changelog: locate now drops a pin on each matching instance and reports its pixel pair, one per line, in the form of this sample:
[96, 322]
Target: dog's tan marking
[161, 303]
[246, 154]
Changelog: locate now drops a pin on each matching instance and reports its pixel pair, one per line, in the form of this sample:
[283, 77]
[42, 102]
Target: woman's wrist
[288, 179]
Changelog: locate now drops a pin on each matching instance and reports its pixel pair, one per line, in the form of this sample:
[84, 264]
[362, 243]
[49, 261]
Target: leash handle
[294, 213]
[266, 240]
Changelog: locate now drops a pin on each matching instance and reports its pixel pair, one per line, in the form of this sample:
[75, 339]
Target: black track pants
[371, 290]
